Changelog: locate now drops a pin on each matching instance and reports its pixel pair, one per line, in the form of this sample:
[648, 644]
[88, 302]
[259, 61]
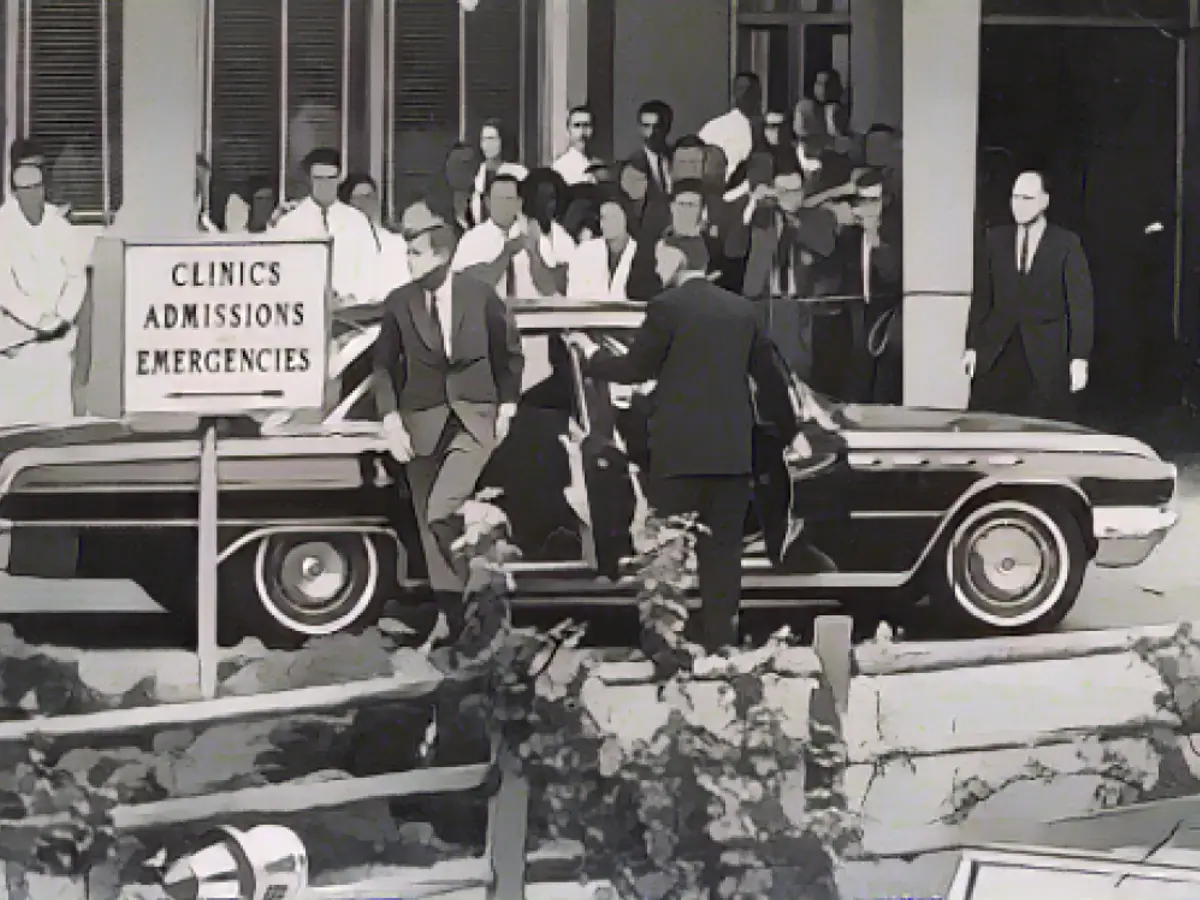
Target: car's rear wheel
[1009, 567]
[306, 585]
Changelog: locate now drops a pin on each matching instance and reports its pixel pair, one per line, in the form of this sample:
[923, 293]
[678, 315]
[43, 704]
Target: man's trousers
[721, 503]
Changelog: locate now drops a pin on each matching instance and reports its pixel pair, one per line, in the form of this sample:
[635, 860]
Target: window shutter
[424, 109]
[493, 53]
[246, 41]
[315, 61]
[65, 97]
[116, 72]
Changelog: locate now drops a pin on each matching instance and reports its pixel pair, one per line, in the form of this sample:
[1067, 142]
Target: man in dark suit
[703, 345]
[866, 268]
[1030, 328]
[448, 365]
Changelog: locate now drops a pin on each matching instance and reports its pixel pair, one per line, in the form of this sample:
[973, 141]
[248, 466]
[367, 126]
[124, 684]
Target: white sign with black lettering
[224, 328]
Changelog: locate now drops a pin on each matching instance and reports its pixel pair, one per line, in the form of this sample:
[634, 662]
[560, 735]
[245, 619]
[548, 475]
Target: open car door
[793, 474]
[610, 478]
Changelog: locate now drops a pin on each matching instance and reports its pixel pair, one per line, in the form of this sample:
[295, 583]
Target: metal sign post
[208, 651]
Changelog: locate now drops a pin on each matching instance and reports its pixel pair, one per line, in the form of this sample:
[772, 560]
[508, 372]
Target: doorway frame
[1178, 30]
[795, 23]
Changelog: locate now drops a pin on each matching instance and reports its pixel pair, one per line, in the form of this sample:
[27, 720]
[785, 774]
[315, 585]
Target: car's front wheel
[304, 585]
[1009, 567]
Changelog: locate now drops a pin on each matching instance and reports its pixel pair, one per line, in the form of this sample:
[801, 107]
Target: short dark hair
[582, 108]
[257, 183]
[506, 178]
[882, 128]
[23, 149]
[660, 108]
[687, 186]
[202, 162]
[749, 77]
[689, 141]
[322, 156]
[352, 181]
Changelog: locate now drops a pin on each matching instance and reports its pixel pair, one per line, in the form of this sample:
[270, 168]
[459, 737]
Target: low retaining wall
[943, 744]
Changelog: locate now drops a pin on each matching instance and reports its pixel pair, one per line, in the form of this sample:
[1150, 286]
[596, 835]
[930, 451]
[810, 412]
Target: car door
[613, 484]
[796, 480]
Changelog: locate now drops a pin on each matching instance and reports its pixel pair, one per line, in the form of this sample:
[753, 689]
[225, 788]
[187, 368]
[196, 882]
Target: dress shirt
[660, 169]
[483, 244]
[355, 250]
[573, 167]
[441, 306]
[733, 133]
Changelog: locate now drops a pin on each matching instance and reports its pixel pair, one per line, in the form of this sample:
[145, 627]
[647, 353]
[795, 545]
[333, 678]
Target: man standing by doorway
[1031, 322]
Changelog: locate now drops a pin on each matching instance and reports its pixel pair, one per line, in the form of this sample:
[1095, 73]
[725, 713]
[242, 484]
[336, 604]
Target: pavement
[1165, 588]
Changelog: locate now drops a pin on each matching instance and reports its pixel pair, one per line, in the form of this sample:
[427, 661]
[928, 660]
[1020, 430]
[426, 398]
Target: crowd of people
[775, 206]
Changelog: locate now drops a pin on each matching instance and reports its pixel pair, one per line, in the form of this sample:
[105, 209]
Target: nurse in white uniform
[42, 286]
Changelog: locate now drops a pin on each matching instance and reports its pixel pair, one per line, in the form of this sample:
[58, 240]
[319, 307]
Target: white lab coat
[588, 276]
[355, 251]
[573, 167]
[41, 273]
[483, 244]
[391, 268]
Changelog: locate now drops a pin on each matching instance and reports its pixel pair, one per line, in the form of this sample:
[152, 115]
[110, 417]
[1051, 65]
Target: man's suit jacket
[776, 244]
[703, 345]
[415, 377]
[1051, 307]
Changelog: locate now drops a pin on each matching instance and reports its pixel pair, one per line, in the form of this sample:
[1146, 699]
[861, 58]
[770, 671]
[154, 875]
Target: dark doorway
[1096, 109]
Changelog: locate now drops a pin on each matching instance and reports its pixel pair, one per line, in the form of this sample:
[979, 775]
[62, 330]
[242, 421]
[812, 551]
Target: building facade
[1101, 92]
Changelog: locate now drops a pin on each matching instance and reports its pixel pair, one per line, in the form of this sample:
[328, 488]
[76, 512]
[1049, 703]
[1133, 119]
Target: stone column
[564, 72]
[161, 115]
[941, 111]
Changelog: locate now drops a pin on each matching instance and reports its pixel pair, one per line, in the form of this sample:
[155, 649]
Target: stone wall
[944, 745]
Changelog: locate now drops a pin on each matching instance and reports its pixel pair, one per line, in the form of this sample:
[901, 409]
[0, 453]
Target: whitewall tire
[310, 584]
[1009, 567]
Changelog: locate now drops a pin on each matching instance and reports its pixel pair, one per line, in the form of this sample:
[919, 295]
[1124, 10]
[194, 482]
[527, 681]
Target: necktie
[325, 219]
[662, 173]
[1024, 260]
[510, 279]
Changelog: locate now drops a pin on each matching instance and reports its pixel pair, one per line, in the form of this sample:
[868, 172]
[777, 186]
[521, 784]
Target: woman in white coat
[600, 266]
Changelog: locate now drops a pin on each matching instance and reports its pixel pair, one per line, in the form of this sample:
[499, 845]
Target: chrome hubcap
[313, 576]
[1008, 562]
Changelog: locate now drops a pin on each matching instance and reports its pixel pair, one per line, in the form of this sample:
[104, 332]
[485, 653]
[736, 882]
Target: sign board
[212, 327]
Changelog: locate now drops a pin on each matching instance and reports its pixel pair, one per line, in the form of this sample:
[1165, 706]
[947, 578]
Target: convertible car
[994, 519]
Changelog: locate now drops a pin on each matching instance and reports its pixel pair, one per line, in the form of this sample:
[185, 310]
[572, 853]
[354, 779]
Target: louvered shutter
[247, 43]
[116, 73]
[493, 55]
[424, 109]
[315, 61]
[65, 96]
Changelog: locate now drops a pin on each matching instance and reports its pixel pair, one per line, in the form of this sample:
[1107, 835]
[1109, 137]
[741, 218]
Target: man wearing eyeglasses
[42, 285]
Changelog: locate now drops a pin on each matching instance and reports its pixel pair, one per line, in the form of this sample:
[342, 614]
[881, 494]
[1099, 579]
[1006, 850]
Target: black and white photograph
[599, 449]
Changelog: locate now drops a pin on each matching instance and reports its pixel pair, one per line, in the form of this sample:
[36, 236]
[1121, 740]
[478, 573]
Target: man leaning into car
[448, 364]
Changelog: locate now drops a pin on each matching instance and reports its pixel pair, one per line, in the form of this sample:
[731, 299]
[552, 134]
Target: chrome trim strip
[251, 536]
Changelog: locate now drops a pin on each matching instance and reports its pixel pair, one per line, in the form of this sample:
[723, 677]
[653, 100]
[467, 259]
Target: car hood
[868, 425]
